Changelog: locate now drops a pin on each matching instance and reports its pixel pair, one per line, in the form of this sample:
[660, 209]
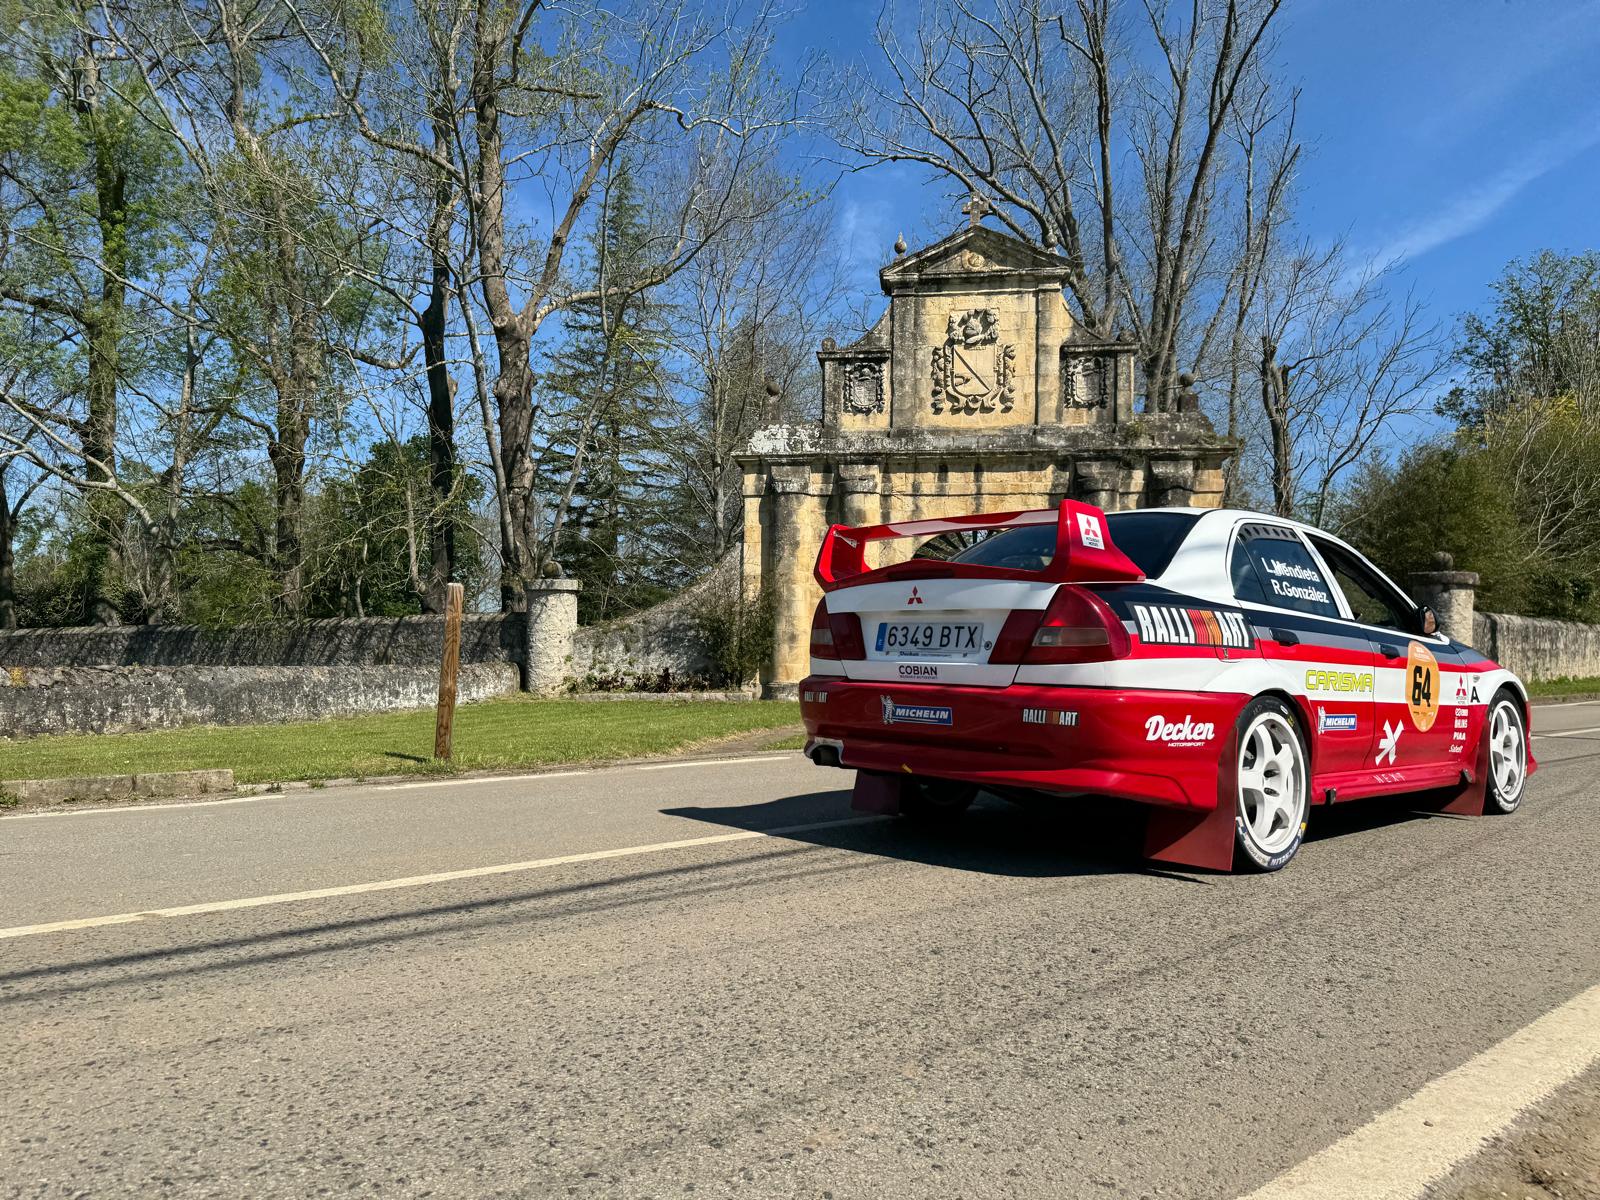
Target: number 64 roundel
[1422, 686]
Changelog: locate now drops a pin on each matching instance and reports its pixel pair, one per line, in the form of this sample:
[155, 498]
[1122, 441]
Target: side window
[1372, 602]
[1272, 566]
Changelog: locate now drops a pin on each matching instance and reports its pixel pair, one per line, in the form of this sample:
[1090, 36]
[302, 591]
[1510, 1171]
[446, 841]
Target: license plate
[930, 639]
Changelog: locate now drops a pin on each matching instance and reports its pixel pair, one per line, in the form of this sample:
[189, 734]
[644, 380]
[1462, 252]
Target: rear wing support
[1084, 551]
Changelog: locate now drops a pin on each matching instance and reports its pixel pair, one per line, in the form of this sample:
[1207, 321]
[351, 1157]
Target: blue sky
[1453, 135]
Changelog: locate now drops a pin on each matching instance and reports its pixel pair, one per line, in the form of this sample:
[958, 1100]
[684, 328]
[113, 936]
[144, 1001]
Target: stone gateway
[975, 391]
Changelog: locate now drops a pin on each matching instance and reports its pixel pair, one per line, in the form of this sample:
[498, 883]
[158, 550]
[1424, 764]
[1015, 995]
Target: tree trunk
[442, 473]
[441, 441]
[1275, 403]
[287, 453]
[104, 338]
[8, 571]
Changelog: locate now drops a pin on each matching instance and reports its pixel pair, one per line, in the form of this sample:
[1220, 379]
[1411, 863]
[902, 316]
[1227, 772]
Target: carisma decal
[1167, 624]
[1320, 681]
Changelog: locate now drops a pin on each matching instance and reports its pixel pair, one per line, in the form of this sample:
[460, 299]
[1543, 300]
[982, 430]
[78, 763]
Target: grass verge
[1566, 686]
[496, 734]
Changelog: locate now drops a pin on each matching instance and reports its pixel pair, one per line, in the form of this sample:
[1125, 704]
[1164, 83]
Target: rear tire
[1271, 786]
[935, 801]
[1507, 732]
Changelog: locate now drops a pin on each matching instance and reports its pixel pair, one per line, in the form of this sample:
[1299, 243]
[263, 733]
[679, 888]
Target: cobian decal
[1169, 625]
[1422, 686]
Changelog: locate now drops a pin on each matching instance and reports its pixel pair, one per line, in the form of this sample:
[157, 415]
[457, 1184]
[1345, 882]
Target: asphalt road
[1015, 1008]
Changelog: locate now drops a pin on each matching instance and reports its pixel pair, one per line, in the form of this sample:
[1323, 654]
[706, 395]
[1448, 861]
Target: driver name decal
[1292, 581]
[1169, 625]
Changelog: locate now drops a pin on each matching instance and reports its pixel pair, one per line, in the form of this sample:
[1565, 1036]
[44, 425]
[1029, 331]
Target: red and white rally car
[1229, 669]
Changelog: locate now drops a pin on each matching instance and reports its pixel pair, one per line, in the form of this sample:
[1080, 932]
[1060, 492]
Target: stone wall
[122, 699]
[355, 642]
[1536, 648]
[660, 647]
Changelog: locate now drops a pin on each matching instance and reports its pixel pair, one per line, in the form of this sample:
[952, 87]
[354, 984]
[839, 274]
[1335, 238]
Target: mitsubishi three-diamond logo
[914, 598]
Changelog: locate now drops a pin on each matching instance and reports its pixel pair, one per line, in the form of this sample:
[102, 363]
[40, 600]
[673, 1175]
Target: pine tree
[608, 385]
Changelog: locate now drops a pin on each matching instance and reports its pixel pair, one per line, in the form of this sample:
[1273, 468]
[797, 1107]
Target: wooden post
[444, 727]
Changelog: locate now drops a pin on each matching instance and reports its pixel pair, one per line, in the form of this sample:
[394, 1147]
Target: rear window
[1149, 538]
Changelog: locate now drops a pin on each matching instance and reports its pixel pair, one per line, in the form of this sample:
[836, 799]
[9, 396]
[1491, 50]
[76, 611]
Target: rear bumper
[1157, 747]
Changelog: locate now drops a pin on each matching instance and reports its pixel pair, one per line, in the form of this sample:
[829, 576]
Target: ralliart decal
[1169, 625]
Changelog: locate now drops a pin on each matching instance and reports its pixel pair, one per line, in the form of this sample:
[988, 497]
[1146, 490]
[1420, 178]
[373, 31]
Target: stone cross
[976, 208]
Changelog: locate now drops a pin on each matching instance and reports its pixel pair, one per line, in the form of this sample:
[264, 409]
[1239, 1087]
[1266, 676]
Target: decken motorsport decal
[914, 714]
[1167, 624]
[1422, 686]
[1187, 732]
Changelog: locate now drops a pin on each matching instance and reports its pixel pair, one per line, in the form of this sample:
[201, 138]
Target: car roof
[1199, 568]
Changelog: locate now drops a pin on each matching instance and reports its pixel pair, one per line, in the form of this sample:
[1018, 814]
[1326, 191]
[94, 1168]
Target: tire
[1271, 785]
[1506, 729]
[935, 801]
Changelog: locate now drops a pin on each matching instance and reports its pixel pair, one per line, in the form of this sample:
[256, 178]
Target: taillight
[1076, 627]
[822, 633]
[836, 635]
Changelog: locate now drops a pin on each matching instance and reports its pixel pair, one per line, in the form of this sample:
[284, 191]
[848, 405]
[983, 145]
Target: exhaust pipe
[825, 752]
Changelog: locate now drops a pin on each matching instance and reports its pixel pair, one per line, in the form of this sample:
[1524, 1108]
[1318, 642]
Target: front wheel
[1273, 784]
[1507, 732]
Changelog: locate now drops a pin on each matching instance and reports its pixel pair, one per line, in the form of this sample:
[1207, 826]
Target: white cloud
[1473, 208]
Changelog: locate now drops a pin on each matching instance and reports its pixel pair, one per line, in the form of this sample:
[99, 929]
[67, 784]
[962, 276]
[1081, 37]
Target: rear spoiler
[1084, 553]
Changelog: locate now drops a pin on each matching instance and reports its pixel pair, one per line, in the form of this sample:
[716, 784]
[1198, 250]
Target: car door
[1304, 629]
[1419, 726]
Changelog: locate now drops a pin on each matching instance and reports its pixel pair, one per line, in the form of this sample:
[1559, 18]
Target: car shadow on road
[993, 837]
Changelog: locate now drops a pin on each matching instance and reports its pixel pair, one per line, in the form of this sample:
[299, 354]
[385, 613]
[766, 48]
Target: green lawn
[494, 734]
[1565, 687]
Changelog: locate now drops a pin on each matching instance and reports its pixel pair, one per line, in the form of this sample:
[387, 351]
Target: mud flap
[1201, 838]
[1472, 798]
[877, 793]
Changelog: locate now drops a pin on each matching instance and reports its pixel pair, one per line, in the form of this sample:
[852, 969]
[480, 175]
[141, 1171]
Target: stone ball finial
[551, 569]
[900, 246]
[773, 390]
[1444, 561]
[1186, 380]
[828, 344]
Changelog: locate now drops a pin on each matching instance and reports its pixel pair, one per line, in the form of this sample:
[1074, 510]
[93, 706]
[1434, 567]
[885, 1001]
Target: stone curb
[681, 697]
[151, 785]
[1573, 698]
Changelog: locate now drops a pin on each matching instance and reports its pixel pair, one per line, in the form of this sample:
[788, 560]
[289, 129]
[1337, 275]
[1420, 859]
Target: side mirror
[1427, 621]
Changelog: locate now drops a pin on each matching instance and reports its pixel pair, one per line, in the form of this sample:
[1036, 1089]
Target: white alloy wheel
[1508, 754]
[1273, 786]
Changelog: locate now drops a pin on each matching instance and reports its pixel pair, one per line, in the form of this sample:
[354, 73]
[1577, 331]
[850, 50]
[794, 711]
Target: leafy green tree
[604, 463]
[371, 553]
[87, 187]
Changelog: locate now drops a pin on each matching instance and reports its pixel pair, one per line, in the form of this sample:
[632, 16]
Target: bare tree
[1339, 363]
[1038, 107]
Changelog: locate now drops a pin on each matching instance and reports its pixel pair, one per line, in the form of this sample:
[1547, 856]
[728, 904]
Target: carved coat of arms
[973, 372]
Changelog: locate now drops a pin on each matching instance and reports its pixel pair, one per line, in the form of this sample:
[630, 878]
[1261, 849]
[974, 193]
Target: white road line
[1569, 732]
[713, 762]
[410, 881]
[380, 785]
[126, 808]
[1399, 1153]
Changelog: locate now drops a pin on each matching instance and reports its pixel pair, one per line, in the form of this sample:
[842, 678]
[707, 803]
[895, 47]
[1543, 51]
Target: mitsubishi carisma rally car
[1230, 670]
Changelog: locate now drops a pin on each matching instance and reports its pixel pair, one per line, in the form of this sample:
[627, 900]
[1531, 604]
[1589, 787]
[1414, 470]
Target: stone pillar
[1097, 482]
[552, 618]
[1171, 482]
[859, 485]
[1452, 595]
[790, 559]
